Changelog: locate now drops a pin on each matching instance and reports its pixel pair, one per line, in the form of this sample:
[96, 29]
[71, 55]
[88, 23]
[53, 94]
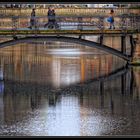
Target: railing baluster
[80, 26]
[14, 25]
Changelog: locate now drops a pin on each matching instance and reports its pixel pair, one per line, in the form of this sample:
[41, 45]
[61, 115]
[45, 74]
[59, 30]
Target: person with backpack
[111, 19]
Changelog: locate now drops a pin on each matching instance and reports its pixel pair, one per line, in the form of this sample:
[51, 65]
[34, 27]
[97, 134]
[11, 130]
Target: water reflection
[55, 67]
[44, 94]
[97, 108]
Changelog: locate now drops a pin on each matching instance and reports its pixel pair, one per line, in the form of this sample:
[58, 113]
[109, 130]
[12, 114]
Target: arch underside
[66, 39]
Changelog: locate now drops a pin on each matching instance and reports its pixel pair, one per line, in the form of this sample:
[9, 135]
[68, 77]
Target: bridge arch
[66, 39]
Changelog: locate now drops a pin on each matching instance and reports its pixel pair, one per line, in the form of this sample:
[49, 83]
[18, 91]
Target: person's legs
[110, 25]
[50, 25]
[56, 25]
[53, 23]
[35, 23]
[46, 25]
[113, 25]
[31, 24]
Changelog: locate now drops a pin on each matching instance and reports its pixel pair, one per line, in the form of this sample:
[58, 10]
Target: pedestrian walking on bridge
[111, 19]
[51, 19]
[33, 19]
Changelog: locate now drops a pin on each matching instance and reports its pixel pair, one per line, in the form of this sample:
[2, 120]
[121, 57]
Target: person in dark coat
[33, 19]
[51, 19]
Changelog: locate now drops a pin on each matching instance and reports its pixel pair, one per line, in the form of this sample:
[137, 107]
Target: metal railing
[71, 22]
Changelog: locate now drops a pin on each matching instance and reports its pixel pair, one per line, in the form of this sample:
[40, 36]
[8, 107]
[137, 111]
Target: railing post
[101, 39]
[131, 21]
[123, 44]
[14, 26]
[80, 26]
[36, 27]
[123, 23]
[123, 83]
[101, 24]
[137, 23]
[80, 36]
[131, 82]
[133, 47]
[102, 93]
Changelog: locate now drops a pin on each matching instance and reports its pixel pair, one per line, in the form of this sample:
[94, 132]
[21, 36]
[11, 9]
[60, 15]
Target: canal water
[64, 89]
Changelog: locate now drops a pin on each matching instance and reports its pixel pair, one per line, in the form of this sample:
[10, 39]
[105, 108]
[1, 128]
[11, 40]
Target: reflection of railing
[124, 72]
[72, 22]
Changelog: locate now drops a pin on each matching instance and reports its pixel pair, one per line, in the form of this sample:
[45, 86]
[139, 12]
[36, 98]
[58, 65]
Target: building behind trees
[136, 5]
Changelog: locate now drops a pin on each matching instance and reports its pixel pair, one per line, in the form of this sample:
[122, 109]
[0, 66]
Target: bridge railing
[71, 22]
